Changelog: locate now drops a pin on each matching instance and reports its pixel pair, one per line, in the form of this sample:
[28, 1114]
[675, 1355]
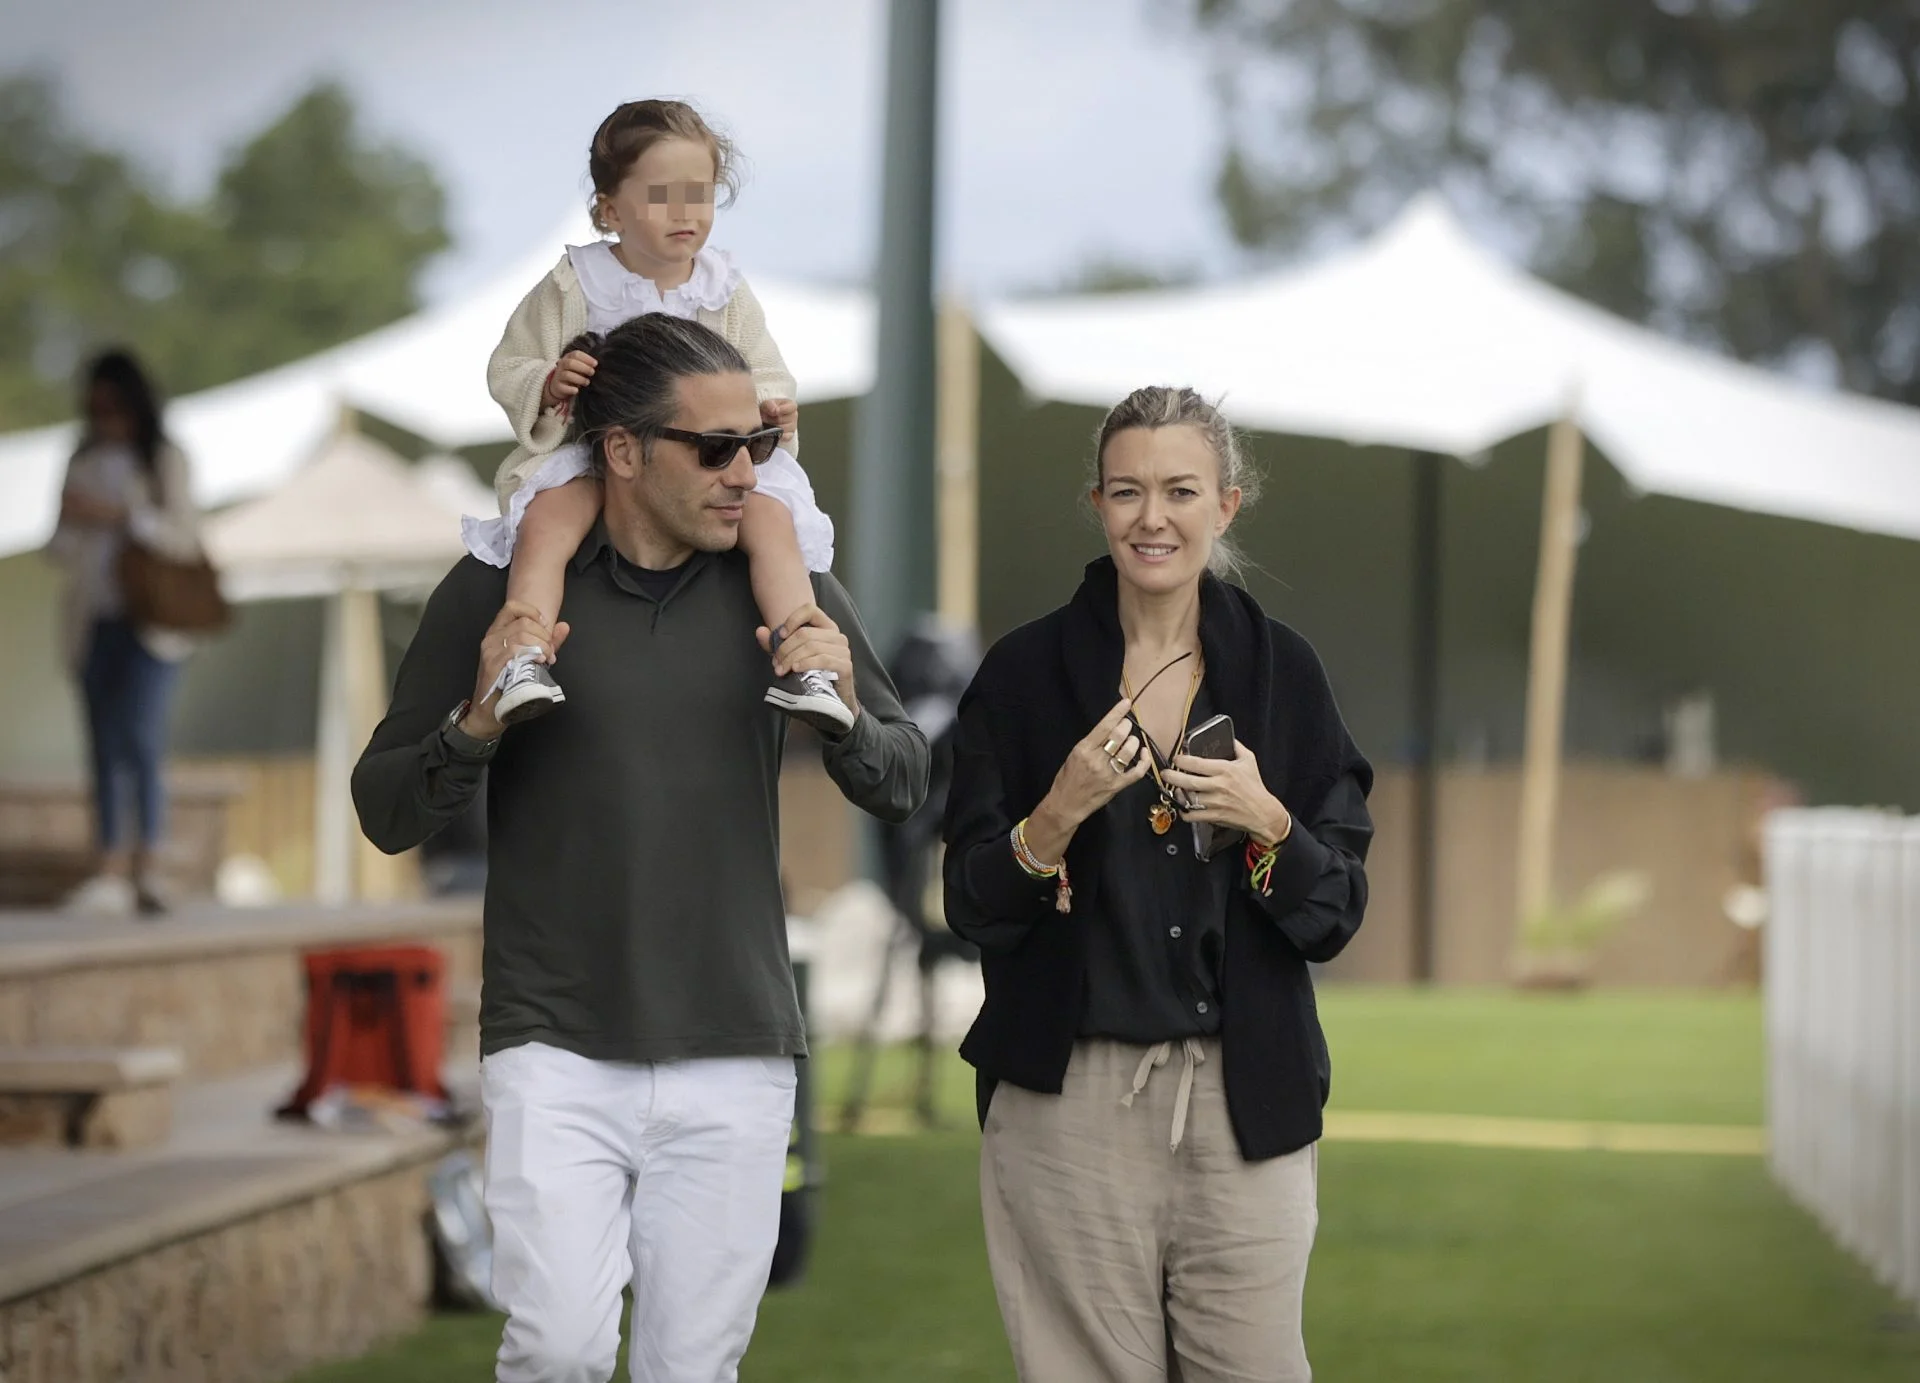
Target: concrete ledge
[72, 1070]
[64, 1214]
[87, 1097]
[302, 1276]
[226, 988]
[111, 1119]
[42, 943]
[126, 1213]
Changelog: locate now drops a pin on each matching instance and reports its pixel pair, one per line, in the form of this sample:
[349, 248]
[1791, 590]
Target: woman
[1151, 1067]
[126, 484]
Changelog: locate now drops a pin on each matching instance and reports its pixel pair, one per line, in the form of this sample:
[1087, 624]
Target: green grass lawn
[1432, 1264]
[1636, 1057]
[1631, 1057]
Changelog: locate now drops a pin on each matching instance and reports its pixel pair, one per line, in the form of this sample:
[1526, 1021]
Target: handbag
[162, 593]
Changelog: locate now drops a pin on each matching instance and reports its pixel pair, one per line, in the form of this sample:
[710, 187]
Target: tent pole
[958, 421]
[1547, 672]
[333, 762]
[893, 457]
[377, 877]
[1424, 686]
[894, 482]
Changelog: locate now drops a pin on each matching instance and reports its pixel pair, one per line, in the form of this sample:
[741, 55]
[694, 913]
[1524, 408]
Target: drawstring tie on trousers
[1157, 1056]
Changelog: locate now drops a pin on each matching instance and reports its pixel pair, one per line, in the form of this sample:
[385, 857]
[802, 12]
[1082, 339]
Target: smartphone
[1211, 739]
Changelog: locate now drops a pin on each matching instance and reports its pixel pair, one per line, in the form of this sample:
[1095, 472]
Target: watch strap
[459, 741]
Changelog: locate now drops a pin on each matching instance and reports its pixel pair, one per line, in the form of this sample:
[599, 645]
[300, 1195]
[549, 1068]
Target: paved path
[1557, 1135]
[1483, 1131]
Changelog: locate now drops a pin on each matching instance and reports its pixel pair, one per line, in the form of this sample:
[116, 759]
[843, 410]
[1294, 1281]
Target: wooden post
[353, 697]
[1547, 671]
[1424, 707]
[333, 829]
[378, 877]
[957, 501]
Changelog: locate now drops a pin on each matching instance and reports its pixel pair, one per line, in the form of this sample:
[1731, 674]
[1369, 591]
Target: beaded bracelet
[1260, 860]
[1031, 866]
[1260, 867]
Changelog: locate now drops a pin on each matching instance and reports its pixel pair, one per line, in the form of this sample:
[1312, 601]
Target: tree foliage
[312, 234]
[1744, 173]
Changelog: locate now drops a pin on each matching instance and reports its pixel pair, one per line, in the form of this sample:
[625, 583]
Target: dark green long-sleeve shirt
[633, 908]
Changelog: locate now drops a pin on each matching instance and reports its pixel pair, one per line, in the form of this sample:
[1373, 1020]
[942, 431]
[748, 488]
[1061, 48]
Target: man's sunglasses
[716, 450]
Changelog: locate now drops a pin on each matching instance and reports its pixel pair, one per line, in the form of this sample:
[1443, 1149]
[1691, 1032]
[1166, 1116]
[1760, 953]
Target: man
[638, 1024]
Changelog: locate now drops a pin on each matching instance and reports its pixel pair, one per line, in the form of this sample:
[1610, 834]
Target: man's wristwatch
[459, 741]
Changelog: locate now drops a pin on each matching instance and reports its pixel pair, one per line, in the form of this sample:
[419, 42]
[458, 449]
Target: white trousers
[602, 1173]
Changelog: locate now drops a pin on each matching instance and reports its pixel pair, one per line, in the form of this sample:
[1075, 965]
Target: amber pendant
[1160, 817]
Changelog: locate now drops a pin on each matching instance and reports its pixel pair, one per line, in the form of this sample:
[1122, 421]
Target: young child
[655, 166]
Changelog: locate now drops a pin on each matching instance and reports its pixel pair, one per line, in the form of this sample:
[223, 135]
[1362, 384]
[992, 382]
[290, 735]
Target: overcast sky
[1071, 130]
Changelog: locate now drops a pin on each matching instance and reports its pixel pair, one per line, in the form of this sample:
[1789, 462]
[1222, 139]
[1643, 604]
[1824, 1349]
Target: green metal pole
[893, 460]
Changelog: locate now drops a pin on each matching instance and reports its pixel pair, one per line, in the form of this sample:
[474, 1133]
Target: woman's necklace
[1160, 815]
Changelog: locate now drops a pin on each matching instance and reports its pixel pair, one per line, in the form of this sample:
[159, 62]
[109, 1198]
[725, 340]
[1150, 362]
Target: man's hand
[568, 378]
[518, 625]
[812, 643]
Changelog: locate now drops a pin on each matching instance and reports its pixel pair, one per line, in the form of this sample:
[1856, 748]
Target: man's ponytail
[637, 368]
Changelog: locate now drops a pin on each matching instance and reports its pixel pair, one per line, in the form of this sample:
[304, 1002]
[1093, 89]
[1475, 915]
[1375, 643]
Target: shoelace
[521, 667]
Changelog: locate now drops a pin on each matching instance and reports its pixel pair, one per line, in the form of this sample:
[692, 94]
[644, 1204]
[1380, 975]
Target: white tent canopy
[1419, 339]
[426, 374]
[353, 521]
[356, 516]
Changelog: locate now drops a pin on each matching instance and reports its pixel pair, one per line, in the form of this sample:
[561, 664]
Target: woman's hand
[1230, 792]
[569, 377]
[1103, 765]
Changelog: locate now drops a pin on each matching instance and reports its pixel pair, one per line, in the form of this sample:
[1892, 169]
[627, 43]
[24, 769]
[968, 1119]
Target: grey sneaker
[810, 696]
[527, 689]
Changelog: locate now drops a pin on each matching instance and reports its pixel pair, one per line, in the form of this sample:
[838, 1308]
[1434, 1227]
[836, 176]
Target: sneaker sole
[527, 706]
[829, 714]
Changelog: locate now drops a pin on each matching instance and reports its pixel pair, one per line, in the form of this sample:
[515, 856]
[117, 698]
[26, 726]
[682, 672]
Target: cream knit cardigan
[553, 314]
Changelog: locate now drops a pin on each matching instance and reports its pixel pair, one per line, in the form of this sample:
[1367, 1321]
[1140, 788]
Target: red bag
[376, 1015]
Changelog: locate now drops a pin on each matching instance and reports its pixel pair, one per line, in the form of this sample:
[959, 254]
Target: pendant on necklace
[1160, 816]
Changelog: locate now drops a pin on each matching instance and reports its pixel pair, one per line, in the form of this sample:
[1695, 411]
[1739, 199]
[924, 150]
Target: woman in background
[125, 484]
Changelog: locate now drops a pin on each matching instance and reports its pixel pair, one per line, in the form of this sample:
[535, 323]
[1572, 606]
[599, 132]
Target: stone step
[243, 1247]
[87, 1097]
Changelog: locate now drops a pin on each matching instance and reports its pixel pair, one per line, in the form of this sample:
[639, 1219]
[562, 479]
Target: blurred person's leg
[706, 1214]
[556, 522]
[150, 684]
[1237, 1250]
[101, 681]
[561, 1135]
[1076, 1195]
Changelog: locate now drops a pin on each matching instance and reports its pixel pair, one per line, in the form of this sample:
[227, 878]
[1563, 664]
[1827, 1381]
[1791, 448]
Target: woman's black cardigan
[1039, 691]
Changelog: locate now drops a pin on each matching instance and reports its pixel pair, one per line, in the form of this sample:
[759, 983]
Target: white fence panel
[1843, 1028]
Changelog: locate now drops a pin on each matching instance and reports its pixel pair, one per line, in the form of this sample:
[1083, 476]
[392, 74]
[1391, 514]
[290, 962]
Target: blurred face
[1161, 505]
[663, 209]
[692, 508]
[108, 417]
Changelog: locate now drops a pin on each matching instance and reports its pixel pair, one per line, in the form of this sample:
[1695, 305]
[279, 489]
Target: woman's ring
[1109, 747]
[1118, 767]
